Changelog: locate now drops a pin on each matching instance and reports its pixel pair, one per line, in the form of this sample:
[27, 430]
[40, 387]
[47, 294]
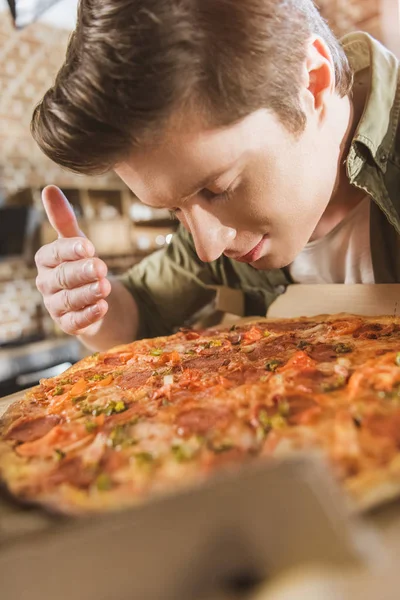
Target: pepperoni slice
[286, 326]
[72, 471]
[133, 379]
[373, 331]
[384, 426]
[117, 358]
[201, 420]
[321, 352]
[298, 406]
[206, 362]
[29, 430]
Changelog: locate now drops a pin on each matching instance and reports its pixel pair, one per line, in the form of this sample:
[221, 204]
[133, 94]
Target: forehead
[188, 152]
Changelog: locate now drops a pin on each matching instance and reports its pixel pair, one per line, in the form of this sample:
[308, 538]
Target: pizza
[152, 416]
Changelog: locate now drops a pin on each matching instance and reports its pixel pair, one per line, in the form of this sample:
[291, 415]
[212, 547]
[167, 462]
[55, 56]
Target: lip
[254, 254]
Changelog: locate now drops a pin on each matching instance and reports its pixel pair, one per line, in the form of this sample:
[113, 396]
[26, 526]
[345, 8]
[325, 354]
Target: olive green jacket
[171, 285]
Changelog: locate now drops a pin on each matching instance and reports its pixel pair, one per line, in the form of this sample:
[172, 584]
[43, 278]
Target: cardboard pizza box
[265, 522]
[311, 300]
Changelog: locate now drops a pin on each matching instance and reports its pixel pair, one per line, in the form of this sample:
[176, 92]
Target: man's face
[251, 191]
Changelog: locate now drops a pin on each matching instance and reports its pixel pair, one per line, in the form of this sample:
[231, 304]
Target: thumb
[60, 213]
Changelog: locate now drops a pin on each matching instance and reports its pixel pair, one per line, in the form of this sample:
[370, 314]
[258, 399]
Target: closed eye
[207, 195]
[210, 195]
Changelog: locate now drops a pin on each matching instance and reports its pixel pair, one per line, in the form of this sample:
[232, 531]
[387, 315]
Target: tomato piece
[300, 360]
[253, 335]
[106, 381]
[79, 388]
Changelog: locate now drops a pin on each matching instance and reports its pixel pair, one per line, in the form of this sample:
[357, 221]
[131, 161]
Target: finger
[70, 275]
[68, 249]
[73, 322]
[74, 300]
[60, 213]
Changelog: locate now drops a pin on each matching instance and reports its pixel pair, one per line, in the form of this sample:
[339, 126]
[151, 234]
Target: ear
[319, 74]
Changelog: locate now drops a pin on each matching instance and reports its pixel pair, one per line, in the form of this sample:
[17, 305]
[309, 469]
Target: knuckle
[66, 301]
[55, 249]
[42, 284]
[48, 303]
[39, 284]
[69, 324]
[61, 278]
[87, 296]
[38, 257]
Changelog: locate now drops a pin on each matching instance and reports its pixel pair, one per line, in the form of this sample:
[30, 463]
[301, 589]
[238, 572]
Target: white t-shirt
[342, 256]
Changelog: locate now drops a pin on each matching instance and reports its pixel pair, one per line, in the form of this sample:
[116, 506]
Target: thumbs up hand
[71, 279]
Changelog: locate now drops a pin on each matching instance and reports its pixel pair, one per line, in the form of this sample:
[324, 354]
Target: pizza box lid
[361, 299]
[315, 299]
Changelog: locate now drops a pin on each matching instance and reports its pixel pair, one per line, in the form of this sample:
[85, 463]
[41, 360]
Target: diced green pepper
[272, 365]
[76, 399]
[222, 447]
[278, 422]
[98, 377]
[58, 390]
[274, 422]
[120, 406]
[284, 408]
[182, 453]
[264, 419]
[114, 407]
[59, 454]
[331, 386]
[156, 351]
[343, 348]
[144, 459]
[90, 426]
[119, 436]
[302, 344]
[103, 482]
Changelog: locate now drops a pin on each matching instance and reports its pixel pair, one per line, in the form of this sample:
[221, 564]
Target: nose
[210, 236]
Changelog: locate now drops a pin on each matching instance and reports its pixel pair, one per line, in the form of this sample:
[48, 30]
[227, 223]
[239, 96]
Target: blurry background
[33, 38]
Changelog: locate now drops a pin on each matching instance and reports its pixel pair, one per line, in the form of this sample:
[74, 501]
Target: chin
[272, 261]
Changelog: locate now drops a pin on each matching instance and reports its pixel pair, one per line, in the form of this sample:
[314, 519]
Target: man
[277, 149]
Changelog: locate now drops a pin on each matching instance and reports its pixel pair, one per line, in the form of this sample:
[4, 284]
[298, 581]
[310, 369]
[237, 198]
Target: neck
[345, 196]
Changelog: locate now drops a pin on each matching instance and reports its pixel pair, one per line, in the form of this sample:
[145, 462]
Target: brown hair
[131, 64]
